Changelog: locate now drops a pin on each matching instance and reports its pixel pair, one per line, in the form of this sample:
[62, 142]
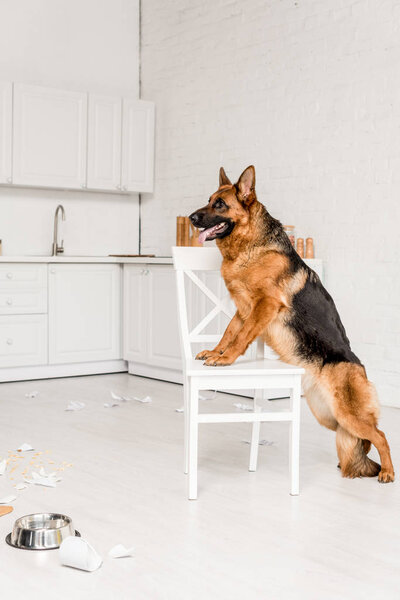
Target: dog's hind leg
[353, 460]
[318, 404]
[356, 410]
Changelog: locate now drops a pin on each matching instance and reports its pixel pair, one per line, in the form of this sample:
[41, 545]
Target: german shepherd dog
[279, 298]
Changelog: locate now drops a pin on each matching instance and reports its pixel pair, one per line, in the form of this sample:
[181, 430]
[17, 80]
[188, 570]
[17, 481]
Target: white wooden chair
[259, 374]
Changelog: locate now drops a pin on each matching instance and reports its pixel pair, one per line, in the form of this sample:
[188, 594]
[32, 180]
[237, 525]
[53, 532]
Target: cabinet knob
[9, 301]
[9, 179]
[9, 275]
[84, 186]
[118, 187]
[52, 271]
[10, 342]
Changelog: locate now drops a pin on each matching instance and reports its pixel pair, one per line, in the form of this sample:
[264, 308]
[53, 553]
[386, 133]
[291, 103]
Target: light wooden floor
[245, 538]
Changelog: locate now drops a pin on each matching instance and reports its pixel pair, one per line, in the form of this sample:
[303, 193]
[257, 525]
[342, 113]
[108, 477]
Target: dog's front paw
[386, 476]
[220, 360]
[204, 354]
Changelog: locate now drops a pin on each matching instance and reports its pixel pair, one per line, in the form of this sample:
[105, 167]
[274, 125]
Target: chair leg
[193, 398]
[186, 409]
[255, 433]
[295, 398]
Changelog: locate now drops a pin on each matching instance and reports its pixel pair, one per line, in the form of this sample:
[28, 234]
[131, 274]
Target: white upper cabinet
[5, 131]
[60, 139]
[50, 137]
[137, 145]
[104, 142]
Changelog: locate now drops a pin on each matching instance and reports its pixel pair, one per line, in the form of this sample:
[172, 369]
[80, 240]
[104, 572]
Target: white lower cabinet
[66, 319]
[23, 340]
[151, 332]
[84, 312]
[163, 344]
[135, 313]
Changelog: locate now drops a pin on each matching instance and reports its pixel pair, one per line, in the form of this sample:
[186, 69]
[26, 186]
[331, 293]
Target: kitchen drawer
[23, 340]
[22, 276]
[18, 302]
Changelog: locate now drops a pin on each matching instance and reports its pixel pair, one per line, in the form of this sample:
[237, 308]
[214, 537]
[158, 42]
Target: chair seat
[244, 366]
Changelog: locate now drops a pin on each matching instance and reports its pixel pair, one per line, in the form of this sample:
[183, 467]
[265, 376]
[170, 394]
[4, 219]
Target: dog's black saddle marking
[317, 325]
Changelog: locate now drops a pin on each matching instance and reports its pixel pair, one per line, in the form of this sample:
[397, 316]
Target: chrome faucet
[56, 248]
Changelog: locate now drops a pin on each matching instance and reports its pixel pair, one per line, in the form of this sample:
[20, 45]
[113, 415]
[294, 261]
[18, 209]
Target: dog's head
[227, 208]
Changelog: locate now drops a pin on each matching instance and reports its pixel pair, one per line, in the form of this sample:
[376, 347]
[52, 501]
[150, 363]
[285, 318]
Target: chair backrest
[186, 261]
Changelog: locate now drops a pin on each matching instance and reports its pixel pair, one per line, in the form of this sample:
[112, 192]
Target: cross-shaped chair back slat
[186, 261]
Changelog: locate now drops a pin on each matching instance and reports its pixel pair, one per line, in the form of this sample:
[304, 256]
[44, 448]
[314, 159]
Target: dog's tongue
[205, 233]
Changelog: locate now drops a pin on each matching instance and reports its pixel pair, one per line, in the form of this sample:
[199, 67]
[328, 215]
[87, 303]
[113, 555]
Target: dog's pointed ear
[246, 185]
[223, 178]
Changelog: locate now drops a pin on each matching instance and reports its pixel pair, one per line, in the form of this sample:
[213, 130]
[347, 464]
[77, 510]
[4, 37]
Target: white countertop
[160, 260]
[314, 263]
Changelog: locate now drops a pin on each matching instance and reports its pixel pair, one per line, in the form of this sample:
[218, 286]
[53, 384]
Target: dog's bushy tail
[352, 452]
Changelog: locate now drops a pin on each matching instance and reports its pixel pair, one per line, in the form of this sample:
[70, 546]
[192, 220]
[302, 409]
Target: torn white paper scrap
[144, 400]
[78, 553]
[75, 405]
[46, 481]
[54, 476]
[110, 404]
[241, 406]
[42, 478]
[260, 443]
[8, 499]
[180, 410]
[120, 551]
[3, 466]
[208, 396]
[20, 486]
[119, 398]
[31, 394]
[25, 448]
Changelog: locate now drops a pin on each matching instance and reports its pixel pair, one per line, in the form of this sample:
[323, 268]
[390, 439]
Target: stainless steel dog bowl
[40, 531]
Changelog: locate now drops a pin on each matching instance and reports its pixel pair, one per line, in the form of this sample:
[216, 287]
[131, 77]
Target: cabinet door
[49, 145]
[162, 327]
[104, 142]
[23, 340]
[137, 145]
[135, 313]
[84, 312]
[5, 131]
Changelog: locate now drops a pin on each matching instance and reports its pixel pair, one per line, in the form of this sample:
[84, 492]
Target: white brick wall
[309, 92]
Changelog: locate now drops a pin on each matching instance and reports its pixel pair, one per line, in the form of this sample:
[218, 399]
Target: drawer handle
[9, 275]
[10, 341]
[9, 301]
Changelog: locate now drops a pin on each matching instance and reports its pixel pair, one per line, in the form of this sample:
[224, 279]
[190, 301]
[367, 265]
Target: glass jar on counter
[291, 233]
